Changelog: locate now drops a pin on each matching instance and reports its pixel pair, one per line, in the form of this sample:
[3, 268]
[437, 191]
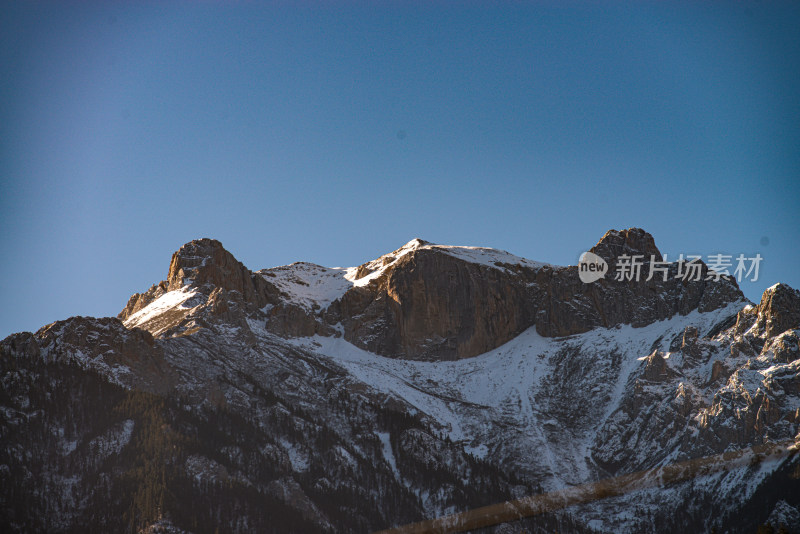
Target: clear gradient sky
[335, 134]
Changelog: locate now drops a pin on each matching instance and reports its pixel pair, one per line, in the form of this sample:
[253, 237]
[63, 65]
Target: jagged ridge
[426, 301]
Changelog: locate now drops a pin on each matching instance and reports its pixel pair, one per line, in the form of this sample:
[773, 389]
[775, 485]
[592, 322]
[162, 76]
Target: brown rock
[289, 320]
[633, 241]
[745, 319]
[786, 347]
[570, 306]
[719, 370]
[430, 304]
[656, 368]
[690, 347]
[206, 262]
[778, 311]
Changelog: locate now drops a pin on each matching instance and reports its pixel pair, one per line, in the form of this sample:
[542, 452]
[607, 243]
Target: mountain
[431, 381]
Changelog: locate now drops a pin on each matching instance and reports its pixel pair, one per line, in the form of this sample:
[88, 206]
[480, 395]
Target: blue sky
[335, 134]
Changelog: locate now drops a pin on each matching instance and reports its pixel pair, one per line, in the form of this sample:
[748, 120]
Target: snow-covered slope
[309, 285]
[513, 383]
[164, 311]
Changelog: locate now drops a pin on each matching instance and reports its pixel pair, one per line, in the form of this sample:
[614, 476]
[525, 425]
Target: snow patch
[298, 459]
[166, 302]
[467, 397]
[388, 454]
[308, 284]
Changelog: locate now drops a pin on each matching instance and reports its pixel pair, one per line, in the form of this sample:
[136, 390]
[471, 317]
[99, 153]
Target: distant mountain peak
[203, 261]
[632, 241]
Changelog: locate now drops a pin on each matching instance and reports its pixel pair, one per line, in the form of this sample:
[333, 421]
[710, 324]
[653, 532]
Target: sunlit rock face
[429, 304]
[778, 311]
[205, 262]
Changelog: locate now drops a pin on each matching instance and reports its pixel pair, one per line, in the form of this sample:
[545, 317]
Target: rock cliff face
[431, 380]
[778, 311]
[571, 307]
[205, 262]
[431, 304]
[428, 304]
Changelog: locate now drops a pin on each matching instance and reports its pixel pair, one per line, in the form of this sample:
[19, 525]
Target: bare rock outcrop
[570, 306]
[204, 262]
[778, 311]
[430, 304]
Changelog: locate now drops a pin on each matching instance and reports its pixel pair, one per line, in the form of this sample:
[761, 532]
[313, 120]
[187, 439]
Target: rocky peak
[416, 243]
[387, 259]
[778, 311]
[199, 270]
[570, 306]
[427, 303]
[205, 262]
[633, 241]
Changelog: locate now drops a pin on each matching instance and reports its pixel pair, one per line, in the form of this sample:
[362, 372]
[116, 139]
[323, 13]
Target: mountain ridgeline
[427, 303]
[430, 381]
